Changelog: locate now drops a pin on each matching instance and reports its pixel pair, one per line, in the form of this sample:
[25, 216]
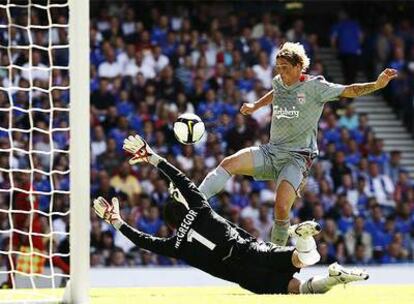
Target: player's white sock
[307, 250]
[214, 182]
[317, 284]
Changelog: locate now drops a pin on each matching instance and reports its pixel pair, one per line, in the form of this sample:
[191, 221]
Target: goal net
[44, 146]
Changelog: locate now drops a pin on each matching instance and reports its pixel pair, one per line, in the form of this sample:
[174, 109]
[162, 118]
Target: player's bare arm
[359, 89]
[249, 108]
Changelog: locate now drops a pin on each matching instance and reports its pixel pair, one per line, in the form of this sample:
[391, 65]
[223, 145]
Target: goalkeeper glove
[108, 211]
[140, 150]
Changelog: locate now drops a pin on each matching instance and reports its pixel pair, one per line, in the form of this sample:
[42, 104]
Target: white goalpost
[44, 150]
[80, 146]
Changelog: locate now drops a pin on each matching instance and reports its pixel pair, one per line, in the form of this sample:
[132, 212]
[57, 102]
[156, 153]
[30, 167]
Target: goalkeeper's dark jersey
[209, 242]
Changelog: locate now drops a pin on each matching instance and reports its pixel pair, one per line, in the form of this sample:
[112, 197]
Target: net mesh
[34, 143]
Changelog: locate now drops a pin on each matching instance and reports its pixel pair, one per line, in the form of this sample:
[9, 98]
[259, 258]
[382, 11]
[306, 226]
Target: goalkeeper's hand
[140, 150]
[108, 211]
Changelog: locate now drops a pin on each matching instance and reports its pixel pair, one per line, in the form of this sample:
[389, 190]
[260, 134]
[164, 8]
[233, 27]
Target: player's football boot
[139, 148]
[305, 229]
[346, 275]
[305, 243]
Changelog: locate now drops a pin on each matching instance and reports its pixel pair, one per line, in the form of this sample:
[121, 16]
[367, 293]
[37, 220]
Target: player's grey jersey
[297, 109]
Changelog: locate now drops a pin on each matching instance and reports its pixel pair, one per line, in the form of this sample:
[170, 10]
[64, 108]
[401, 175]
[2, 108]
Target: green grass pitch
[352, 294]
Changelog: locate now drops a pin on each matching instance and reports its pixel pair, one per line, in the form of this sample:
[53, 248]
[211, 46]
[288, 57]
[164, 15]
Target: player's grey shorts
[271, 163]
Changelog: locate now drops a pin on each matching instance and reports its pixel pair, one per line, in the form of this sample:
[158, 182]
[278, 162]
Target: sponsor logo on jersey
[301, 98]
[280, 112]
[185, 225]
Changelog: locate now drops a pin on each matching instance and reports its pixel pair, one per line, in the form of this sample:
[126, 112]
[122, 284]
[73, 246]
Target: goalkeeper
[209, 242]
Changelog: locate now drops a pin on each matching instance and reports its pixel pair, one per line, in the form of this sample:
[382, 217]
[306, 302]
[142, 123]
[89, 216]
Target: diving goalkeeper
[209, 242]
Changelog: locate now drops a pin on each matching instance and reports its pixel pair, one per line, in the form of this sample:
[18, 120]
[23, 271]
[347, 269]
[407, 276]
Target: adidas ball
[188, 128]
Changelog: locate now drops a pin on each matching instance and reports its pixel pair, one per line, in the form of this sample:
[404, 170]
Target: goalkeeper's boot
[140, 150]
[346, 275]
[305, 243]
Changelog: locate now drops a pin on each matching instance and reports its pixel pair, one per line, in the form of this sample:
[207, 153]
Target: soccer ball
[188, 129]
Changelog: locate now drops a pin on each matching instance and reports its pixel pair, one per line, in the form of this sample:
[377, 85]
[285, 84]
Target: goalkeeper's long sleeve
[188, 189]
[149, 242]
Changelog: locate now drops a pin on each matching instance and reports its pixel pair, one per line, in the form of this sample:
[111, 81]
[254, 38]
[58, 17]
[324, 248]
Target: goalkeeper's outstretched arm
[154, 244]
[142, 152]
[110, 213]
[187, 188]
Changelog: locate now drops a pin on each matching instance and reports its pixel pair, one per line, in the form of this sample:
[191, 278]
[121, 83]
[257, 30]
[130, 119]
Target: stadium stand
[150, 63]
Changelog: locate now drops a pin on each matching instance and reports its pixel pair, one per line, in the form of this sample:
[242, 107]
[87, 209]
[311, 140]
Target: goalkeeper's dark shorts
[265, 271]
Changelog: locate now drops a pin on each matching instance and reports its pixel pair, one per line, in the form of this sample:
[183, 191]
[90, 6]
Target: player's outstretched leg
[337, 274]
[305, 243]
[240, 163]
[214, 182]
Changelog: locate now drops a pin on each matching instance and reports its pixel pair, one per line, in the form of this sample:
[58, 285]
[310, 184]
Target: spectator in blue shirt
[159, 33]
[346, 37]
[353, 156]
[378, 156]
[150, 223]
[360, 133]
[124, 105]
[346, 220]
[350, 119]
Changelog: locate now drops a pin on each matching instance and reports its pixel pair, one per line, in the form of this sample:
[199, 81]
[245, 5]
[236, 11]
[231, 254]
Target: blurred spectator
[36, 70]
[160, 195]
[350, 191]
[378, 155]
[357, 239]
[158, 60]
[326, 258]
[360, 257]
[263, 70]
[353, 155]
[403, 188]
[109, 160]
[395, 254]
[252, 210]
[350, 119]
[346, 37]
[347, 218]
[150, 222]
[393, 168]
[110, 68]
[239, 136]
[98, 143]
[102, 99]
[264, 222]
[126, 182]
[380, 186]
[117, 258]
[339, 169]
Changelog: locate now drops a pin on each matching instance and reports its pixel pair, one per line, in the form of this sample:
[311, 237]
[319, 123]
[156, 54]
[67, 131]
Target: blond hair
[295, 54]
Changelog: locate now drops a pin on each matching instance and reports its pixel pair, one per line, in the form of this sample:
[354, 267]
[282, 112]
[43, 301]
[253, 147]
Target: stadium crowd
[147, 67]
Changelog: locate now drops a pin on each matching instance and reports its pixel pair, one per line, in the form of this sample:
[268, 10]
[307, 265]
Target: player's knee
[293, 286]
[229, 164]
[281, 210]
